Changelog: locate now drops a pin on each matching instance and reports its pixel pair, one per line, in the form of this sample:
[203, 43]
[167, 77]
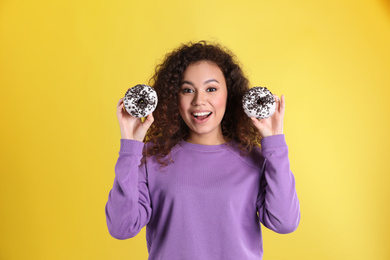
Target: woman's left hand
[272, 125]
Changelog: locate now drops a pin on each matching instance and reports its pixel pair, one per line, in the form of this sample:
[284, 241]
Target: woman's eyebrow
[206, 82]
[210, 80]
[187, 82]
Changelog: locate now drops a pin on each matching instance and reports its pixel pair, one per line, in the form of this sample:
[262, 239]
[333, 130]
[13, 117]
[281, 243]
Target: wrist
[125, 135]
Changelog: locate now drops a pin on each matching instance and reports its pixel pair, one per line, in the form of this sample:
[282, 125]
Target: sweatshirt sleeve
[278, 203]
[128, 208]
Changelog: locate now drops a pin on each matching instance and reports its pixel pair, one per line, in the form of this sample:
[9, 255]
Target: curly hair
[169, 128]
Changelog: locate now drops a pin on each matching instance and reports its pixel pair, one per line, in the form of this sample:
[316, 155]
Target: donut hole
[259, 102]
[142, 102]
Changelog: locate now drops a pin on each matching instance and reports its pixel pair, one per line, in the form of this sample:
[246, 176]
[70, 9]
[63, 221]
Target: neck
[210, 139]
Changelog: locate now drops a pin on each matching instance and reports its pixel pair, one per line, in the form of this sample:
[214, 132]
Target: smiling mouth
[201, 115]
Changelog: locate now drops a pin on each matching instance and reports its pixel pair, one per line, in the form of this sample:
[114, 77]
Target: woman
[194, 173]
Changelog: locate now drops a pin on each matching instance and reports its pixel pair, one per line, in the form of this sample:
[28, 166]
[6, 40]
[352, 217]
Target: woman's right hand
[132, 127]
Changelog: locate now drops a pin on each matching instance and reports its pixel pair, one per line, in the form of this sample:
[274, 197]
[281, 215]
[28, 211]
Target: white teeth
[202, 114]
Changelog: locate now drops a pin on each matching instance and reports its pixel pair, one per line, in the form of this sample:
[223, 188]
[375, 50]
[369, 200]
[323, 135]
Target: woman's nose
[199, 99]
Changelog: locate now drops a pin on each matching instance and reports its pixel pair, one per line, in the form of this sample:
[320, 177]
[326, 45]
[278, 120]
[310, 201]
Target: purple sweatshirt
[208, 204]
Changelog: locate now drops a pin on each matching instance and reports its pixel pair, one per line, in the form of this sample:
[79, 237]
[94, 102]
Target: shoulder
[154, 160]
[253, 159]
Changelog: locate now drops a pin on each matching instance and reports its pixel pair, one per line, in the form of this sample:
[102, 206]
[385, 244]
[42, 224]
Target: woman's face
[202, 102]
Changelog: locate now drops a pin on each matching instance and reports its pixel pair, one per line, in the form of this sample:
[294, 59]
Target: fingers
[280, 104]
[119, 106]
[277, 104]
[257, 123]
[148, 121]
[120, 101]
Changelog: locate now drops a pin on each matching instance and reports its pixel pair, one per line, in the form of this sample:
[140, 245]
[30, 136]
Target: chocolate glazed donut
[258, 102]
[140, 100]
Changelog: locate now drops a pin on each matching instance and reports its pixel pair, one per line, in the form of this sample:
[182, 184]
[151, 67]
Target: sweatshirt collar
[206, 148]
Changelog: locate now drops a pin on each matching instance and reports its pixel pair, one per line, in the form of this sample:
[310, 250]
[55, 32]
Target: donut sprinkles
[258, 102]
[140, 100]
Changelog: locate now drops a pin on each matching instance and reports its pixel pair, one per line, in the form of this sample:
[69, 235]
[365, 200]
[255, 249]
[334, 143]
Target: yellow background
[65, 64]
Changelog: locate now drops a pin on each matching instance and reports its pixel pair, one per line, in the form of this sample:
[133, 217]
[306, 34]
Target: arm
[278, 203]
[128, 208]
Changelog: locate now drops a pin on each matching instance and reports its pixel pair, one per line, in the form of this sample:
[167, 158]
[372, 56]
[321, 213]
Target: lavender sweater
[208, 204]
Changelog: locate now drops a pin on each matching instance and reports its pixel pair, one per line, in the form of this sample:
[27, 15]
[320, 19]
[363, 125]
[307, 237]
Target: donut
[140, 100]
[258, 102]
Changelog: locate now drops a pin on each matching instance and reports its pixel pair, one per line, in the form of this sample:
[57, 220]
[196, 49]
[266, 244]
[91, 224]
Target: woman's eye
[187, 90]
[211, 89]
